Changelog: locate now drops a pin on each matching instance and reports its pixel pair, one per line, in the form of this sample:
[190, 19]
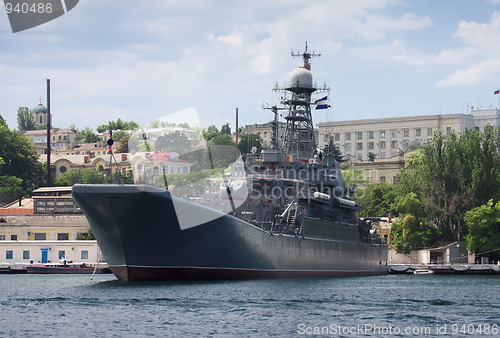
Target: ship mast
[299, 135]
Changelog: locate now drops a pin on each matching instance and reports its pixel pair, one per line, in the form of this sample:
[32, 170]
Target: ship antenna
[306, 57]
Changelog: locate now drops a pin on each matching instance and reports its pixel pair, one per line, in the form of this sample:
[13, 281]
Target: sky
[146, 60]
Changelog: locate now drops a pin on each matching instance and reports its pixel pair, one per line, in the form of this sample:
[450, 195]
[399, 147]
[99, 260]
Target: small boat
[68, 267]
[423, 272]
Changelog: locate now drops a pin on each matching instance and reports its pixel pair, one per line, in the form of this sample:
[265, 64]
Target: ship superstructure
[284, 213]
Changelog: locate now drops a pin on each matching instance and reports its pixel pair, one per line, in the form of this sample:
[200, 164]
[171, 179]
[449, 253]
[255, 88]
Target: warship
[283, 213]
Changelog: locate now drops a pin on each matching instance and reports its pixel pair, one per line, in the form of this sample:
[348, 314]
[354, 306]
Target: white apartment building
[390, 137]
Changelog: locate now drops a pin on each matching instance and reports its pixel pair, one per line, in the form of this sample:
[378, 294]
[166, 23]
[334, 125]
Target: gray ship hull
[140, 236]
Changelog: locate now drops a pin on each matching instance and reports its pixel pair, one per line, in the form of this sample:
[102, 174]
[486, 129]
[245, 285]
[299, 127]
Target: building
[60, 139]
[143, 166]
[388, 137]
[45, 228]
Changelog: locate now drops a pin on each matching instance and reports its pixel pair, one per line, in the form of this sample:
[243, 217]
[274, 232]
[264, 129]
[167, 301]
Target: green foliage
[355, 182]
[173, 142]
[86, 136]
[90, 177]
[225, 129]
[86, 237]
[25, 120]
[454, 174]
[379, 200]
[123, 146]
[484, 228]
[409, 234]
[332, 151]
[183, 125]
[119, 135]
[248, 141]
[118, 125]
[18, 159]
[10, 189]
[211, 132]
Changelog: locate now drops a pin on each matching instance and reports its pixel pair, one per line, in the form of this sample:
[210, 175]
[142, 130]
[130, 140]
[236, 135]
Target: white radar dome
[302, 78]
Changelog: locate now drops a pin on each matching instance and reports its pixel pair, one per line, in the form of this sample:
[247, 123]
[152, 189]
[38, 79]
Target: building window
[382, 134]
[13, 237]
[26, 254]
[382, 178]
[62, 254]
[360, 157]
[63, 237]
[9, 254]
[41, 119]
[406, 132]
[62, 169]
[371, 145]
[394, 133]
[348, 147]
[40, 236]
[156, 171]
[2, 237]
[348, 136]
[184, 170]
[382, 145]
[360, 135]
[394, 144]
[85, 254]
[406, 143]
[178, 170]
[371, 134]
[171, 170]
[382, 154]
[418, 132]
[429, 131]
[336, 137]
[448, 130]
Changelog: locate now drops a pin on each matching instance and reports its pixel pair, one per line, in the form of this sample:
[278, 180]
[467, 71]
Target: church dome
[40, 108]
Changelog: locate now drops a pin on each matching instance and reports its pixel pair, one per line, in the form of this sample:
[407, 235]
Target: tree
[123, 146]
[86, 237]
[453, 174]
[483, 223]
[183, 125]
[25, 120]
[248, 141]
[173, 142]
[10, 189]
[409, 234]
[18, 161]
[330, 150]
[211, 132]
[118, 125]
[222, 151]
[86, 136]
[225, 129]
[379, 200]
[90, 177]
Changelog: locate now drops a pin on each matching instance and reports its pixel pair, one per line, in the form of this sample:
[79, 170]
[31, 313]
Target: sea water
[394, 305]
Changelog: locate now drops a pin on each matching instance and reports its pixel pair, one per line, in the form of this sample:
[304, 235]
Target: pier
[446, 269]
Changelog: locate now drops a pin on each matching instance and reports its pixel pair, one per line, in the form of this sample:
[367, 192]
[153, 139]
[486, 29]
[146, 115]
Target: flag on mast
[322, 103]
[496, 92]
